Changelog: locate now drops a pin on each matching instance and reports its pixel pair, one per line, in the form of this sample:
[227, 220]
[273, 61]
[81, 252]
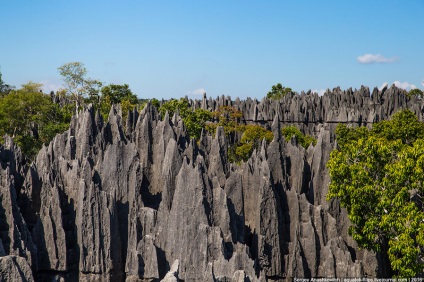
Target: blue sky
[167, 49]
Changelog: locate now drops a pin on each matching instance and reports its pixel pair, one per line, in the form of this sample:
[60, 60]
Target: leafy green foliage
[74, 75]
[416, 92]
[278, 91]
[117, 94]
[194, 120]
[155, 102]
[78, 85]
[250, 140]
[378, 177]
[227, 117]
[304, 140]
[31, 118]
[173, 105]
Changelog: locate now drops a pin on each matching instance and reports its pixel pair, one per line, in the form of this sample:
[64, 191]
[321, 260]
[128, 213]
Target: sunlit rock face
[143, 202]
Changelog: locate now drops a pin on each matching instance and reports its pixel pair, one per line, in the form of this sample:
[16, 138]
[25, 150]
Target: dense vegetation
[31, 117]
[302, 139]
[194, 120]
[378, 177]
[278, 91]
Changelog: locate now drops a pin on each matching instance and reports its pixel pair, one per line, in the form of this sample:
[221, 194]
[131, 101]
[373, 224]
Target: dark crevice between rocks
[228, 250]
[69, 226]
[306, 180]
[236, 223]
[123, 211]
[29, 205]
[352, 252]
[4, 228]
[150, 200]
[21, 274]
[305, 266]
[163, 264]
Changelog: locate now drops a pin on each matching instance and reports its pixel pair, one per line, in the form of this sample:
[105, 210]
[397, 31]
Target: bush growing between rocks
[302, 139]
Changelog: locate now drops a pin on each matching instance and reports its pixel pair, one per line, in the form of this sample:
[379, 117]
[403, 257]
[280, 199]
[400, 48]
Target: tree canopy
[194, 120]
[116, 94]
[250, 140]
[78, 86]
[278, 91]
[74, 75]
[31, 117]
[378, 177]
[416, 92]
[302, 139]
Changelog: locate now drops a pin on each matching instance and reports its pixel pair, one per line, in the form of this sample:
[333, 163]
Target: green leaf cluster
[116, 94]
[251, 140]
[278, 91]
[302, 139]
[194, 120]
[416, 92]
[32, 118]
[378, 176]
[228, 117]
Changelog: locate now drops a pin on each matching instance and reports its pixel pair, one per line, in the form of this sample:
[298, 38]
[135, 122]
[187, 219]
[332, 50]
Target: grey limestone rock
[145, 203]
[172, 275]
[15, 268]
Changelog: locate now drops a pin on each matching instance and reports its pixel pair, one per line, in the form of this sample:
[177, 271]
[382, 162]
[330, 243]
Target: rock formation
[142, 202]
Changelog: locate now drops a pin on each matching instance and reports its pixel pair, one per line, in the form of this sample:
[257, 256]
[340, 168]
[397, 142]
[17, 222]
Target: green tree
[416, 92]
[302, 139]
[155, 102]
[4, 88]
[117, 94]
[251, 140]
[77, 84]
[378, 177]
[31, 118]
[278, 91]
[194, 120]
[228, 117]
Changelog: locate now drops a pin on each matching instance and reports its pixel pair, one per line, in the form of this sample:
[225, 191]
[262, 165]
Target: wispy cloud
[383, 85]
[422, 83]
[319, 92]
[198, 91]
[375, 58]
[404, 85]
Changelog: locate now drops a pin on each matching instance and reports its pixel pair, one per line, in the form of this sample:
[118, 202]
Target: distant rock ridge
[309, 110]
[143, 202]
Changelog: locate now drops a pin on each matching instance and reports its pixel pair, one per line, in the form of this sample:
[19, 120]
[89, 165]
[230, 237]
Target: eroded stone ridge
[104, 202]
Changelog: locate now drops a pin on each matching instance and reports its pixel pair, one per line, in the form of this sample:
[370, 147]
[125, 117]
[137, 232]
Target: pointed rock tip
[276, 128]
[174, 118]
[263, 147]
[219, 132]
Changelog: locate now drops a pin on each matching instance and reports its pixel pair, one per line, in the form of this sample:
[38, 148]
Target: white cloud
[404, 85]
[422, 83]
[319, 92]
[198, 91]
[383, 85]
[375, 58]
